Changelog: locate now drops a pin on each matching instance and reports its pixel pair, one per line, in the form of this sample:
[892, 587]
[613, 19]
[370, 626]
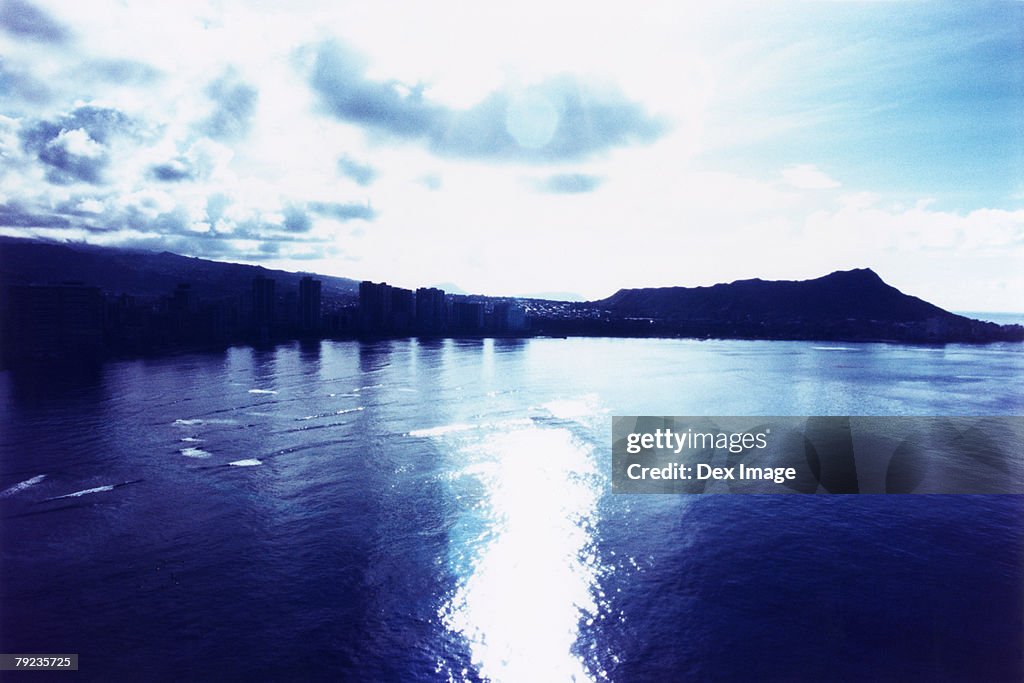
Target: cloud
[569, 183]
[71, 156]
[431, 181]
[101, 123]
[121, 71]
[343, 212]
[339, 78]
[204, 246]
[808, 177]
[20, 84]
[24, 20]
[363, 174]
[562, 118]
[74, 148]
[173, 171]
[156, 220]
[296, 220]
[14, 215]
[234, 107]
[216, 204]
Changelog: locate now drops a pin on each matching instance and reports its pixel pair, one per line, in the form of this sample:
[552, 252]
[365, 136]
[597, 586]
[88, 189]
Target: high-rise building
[309, 305]
[374, 307]
[431, 311]
[263, 303]
[403, 311]
[466, 316]
[384, 309]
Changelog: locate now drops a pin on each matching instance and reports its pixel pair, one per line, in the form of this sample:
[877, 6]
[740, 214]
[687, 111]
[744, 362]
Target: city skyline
[540, 148]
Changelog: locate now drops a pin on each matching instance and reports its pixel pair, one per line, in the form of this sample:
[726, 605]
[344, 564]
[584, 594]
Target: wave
[85, 492]
[465, 427]
[95, 489]
[343, 411]
[262, 391]
[442, 430]
[21, 486]
[248, 462]
[195, 453]
[195, 421]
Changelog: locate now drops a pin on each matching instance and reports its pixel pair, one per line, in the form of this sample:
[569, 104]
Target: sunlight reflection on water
[526, 557]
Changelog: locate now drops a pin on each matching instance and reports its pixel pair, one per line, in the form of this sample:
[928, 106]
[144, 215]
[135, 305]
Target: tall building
[309, 305]
[403, 311]
[431, 311]
[263, 303]
[374, 307]
[466, 316]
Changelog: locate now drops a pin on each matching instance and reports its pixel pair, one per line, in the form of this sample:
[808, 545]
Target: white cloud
[79, 143]
[808, 177]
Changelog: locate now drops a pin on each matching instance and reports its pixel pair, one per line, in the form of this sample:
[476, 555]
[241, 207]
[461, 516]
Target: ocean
[415, 510]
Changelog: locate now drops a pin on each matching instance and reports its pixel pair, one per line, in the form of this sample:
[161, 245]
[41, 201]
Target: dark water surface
[407, 510]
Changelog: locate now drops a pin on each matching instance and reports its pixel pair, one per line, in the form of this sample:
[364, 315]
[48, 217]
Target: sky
[529, 147]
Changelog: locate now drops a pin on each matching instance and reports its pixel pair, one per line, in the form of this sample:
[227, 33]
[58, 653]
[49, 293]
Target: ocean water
[999, 318]
[440, 510]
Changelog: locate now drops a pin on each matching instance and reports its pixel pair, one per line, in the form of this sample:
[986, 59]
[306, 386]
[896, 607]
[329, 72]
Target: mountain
[451, 288]
[858, 294]
[144, 273]
[849, 305]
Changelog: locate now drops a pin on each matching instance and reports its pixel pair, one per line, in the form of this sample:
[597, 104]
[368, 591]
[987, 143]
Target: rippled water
[407, 510]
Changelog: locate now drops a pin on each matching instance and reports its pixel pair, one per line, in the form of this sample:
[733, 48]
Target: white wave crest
[85, 492]
[442, 430]
[465, 427]
[21, 486]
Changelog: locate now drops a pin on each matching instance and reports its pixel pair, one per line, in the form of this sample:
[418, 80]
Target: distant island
[62, 300]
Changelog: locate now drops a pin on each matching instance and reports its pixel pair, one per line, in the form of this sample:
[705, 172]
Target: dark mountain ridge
[842, 295]
[143, 273]
[851, 305]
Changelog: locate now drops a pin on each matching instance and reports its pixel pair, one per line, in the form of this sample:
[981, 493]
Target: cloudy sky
[516, 148]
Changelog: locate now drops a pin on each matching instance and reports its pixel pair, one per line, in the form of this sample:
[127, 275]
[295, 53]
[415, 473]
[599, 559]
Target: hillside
[858, 294]
[855, 305]
[142, 273]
